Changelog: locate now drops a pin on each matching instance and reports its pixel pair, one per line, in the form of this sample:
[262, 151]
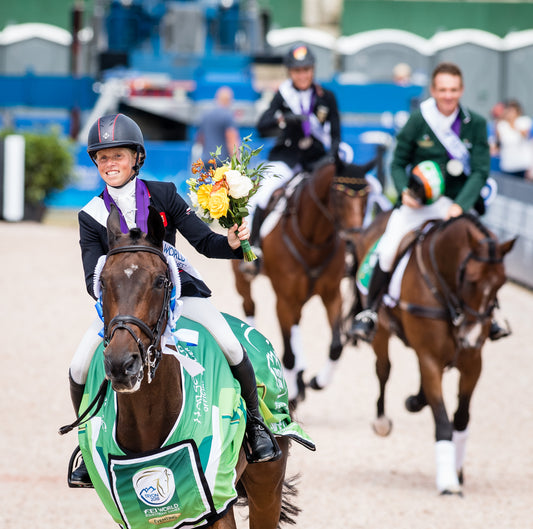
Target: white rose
[239, 184]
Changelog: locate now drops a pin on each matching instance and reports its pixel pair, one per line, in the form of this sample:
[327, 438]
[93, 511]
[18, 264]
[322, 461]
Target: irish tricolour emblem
[155, 485]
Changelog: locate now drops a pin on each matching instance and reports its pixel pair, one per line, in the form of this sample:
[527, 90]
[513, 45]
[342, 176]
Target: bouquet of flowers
[223, 192]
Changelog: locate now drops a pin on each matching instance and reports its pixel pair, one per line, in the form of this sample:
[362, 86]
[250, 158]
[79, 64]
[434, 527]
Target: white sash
[320, 131]
[451, 142]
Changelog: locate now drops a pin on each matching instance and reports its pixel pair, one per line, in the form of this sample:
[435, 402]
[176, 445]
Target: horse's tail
[289, 510]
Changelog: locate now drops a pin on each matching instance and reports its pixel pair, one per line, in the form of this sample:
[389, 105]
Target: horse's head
[478, 275]
[350, 196]
[136, 288]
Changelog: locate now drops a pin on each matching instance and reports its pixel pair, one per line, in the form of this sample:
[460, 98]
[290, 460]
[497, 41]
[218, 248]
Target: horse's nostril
[131, 366]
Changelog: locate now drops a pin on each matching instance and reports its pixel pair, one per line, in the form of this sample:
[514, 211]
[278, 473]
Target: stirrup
[251, 269]
[76, 460]
[364, 325]
[275, 454]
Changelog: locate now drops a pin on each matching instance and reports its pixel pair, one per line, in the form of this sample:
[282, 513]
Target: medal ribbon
[142, 201]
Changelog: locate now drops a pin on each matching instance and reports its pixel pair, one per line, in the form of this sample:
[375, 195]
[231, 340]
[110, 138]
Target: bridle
[455, 308]
[339, 185]
[150, 355]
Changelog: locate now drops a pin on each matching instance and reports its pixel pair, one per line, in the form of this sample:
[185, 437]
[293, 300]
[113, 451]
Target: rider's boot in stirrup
[79, 476]
[365, 323]
[260, 444]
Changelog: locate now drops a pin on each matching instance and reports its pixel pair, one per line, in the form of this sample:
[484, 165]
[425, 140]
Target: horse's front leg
[469, 366]
[243, 285]
[264, 485]
[332, 300]
[289, 314]
[382, 424]
[431, 372]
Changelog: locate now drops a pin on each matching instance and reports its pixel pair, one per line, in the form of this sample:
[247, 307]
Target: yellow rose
[220, 172]
[204, 191]
[218, 203]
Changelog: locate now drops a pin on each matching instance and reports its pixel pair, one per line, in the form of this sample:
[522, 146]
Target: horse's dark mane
[474, 219]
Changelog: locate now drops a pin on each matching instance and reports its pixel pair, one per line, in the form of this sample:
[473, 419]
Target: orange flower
[197, 167]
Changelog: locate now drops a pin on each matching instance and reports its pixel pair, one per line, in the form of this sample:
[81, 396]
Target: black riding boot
[365, 323]
[80, 476]
[262, 445]
[259, 217]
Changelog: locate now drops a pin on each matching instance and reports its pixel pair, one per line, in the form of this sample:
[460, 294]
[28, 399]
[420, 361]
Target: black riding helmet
[299, 56]
[116, 130]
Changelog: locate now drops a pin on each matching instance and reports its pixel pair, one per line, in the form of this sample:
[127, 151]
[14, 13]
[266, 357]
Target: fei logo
[154, 485]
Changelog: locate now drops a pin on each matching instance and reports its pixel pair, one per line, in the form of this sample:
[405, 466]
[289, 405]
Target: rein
[313, 273]
[150, 355]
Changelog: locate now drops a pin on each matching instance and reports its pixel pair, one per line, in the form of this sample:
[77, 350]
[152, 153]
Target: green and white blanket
[190, 480]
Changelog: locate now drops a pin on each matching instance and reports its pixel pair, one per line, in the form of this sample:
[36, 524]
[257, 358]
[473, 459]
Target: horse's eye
[102, 284]
[159, 282]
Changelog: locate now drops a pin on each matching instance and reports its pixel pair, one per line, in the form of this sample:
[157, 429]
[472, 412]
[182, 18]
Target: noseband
[150, 355]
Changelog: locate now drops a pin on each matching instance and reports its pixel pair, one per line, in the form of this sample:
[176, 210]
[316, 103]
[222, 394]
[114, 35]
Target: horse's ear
[156, 229]
[507, 246]
[113, 226]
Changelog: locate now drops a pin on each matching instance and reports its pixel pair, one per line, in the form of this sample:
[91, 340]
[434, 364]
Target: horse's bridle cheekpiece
[150, 355]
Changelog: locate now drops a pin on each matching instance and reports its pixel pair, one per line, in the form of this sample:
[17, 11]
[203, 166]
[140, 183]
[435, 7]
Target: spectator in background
[496, 114]
[513, 138]
[401, 74]
[217, 127]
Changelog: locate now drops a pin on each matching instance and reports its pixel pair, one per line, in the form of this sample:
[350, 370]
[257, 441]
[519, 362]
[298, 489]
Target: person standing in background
[513, 138]
[217, 127]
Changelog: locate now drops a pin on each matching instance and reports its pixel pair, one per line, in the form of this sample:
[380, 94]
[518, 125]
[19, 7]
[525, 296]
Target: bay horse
[148, 385]
[304, 255]
[446, 299]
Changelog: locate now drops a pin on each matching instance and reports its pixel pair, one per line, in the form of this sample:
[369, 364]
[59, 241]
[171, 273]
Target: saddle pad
[364, 274]
[202, 449]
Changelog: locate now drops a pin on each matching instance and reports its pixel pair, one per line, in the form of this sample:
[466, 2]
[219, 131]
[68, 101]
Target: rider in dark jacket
[116, 146]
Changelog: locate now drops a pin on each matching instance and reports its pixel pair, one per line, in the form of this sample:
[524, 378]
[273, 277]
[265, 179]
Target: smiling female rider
[116, 146]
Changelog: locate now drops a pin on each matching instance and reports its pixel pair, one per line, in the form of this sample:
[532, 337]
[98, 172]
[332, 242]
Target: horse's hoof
[460, 477]
[313, 384]
[447, 492]
[382, 426]
[413, 404]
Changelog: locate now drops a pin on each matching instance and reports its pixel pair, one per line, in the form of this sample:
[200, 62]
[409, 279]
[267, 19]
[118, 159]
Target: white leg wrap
[447, 480]
[297, 348]
[325, 375]
[250, 320]
[292, 386]
[459, 440]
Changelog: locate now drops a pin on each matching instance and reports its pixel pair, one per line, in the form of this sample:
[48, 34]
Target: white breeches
[204, 312]
[276, 176]
[79, 366]
[401, 222]
[200, 310]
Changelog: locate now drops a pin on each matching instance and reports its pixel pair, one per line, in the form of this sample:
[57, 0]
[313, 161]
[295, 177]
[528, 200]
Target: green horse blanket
[190, 481]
